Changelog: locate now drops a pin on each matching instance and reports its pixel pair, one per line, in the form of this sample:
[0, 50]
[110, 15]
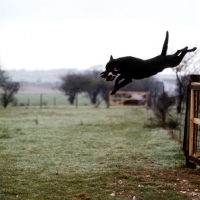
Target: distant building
[169, 82]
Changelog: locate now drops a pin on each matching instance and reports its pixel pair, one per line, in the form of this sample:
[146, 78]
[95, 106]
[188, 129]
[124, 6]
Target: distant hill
[44, 76]
[40, 81]
[49, 76]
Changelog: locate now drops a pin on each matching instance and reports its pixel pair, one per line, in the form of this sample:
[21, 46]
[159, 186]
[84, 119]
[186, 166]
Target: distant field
[89, 154]
[57, 99]
[31, 95]
[47, 99]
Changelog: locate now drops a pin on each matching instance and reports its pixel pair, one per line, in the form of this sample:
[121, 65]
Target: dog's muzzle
[107, 75]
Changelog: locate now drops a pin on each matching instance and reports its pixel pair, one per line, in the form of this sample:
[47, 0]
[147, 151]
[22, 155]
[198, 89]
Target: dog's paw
[113, 92]
[194, 49]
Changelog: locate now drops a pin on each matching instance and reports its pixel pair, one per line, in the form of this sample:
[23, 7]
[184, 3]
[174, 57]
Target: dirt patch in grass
[155, 183]
[81, 197]
[127, 184]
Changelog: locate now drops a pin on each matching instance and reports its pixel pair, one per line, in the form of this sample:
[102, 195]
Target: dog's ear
[111, 58]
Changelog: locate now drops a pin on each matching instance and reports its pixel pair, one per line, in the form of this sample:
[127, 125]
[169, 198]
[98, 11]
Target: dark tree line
[89, 83]
[95, 87]
[7, 89]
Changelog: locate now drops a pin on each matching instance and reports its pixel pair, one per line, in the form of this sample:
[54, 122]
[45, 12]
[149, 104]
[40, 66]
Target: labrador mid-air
[128, 68]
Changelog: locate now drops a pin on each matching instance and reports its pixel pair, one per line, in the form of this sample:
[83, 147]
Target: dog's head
[107, 74]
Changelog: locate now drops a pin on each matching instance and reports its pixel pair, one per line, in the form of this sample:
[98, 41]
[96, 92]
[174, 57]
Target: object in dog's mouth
[110, 77]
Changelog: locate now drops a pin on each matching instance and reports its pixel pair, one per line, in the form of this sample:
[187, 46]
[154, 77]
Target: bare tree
[182, 71]
[3, 76]
[8, 91]
[71, 85]
[94, 85]
[163, 104]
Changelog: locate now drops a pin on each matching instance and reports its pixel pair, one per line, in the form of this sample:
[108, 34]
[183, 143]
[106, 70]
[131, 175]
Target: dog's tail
[164, 49]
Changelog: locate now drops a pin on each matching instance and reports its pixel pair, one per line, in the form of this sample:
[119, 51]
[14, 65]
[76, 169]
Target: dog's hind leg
[179, 51]
[184, 50]
[182, 53]
[191, 50]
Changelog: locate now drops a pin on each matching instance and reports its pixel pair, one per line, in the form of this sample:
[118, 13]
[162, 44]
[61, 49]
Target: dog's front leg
[120, 85]
[120, 77]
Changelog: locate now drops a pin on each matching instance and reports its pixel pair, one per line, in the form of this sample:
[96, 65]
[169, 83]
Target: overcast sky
[52, 34]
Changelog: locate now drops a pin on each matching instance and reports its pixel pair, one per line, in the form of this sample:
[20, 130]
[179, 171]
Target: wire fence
[51, 100]
[180, 119]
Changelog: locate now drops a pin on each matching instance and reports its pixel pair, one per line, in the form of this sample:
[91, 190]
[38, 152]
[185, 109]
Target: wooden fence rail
[128, 98]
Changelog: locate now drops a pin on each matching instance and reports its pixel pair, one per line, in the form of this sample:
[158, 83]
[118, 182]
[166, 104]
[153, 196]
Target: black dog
[129, 68]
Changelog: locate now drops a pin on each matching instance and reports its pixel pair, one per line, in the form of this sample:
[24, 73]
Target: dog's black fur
[129, 68]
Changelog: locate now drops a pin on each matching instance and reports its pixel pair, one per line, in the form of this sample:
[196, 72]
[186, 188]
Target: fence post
[108, 99]
[28, 102]
[76, 100]
[194, 114]
[153, 98]
[54, 101]
[40, 100]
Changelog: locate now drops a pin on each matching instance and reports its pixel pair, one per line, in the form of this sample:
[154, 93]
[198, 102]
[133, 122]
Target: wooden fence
[191, 142]
[128, 98]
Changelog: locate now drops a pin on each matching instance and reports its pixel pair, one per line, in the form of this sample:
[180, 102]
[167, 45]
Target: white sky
[53, 34]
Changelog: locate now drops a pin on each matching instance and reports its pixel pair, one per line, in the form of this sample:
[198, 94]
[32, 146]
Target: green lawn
[87, 153]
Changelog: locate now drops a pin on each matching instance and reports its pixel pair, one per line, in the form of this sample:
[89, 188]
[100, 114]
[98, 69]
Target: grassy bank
[88, 153]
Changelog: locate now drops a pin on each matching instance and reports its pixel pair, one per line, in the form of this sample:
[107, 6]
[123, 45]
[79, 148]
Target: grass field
[57, 99]
[87, 153]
